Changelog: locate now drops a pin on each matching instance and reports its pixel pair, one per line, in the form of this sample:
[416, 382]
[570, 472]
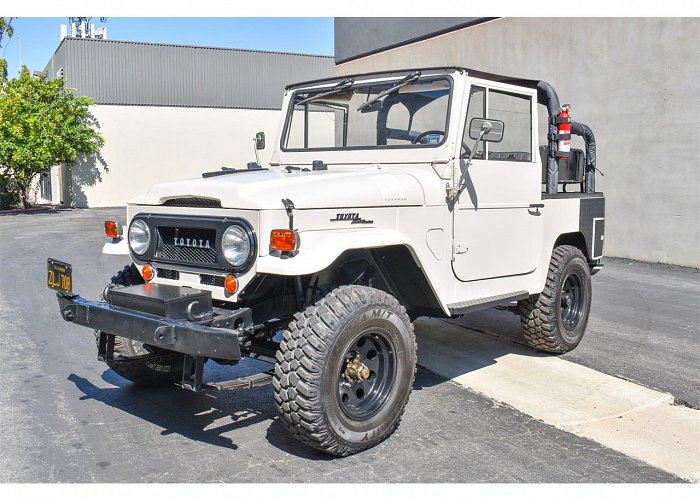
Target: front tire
[141, 364]
[555, 320]
[345, 370]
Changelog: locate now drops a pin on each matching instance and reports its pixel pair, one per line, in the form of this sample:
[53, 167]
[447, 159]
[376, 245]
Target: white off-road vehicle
[388, 196]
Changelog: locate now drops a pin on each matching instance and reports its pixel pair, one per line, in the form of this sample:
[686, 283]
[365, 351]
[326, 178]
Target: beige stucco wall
[634, 81]
[149, 144]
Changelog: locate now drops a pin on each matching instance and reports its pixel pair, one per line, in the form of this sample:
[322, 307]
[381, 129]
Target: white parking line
[627, 417]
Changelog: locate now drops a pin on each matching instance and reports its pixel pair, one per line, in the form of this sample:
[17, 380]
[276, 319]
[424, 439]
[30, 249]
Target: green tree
[5, 29]
[42, 124]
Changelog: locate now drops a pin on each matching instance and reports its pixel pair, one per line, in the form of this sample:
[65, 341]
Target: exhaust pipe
[585, 131]
[548, 96]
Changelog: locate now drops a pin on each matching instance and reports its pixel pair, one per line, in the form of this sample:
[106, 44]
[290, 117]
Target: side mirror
[479, 130]
[260, 140]
[486, 130]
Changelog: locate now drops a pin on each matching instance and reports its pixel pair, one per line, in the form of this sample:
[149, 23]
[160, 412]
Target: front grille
[168, 274]
[191, 245]
[193, 202]
[211, 280]
[184, 254]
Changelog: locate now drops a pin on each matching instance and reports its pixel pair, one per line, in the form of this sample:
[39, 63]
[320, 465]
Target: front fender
[119, 247]
[319, 249]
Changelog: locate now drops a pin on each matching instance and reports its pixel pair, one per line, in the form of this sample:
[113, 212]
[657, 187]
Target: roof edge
[420, 38]
[204, 47]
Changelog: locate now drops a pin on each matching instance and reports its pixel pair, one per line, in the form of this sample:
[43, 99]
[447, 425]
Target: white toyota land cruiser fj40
[388, 196]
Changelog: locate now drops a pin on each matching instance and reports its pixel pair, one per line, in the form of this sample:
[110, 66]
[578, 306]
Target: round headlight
[236, 245]
[139, 237]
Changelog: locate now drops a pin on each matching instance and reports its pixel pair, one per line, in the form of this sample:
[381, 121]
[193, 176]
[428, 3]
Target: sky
[39, 36]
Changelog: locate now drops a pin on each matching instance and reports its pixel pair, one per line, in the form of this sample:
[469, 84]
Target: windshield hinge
[289, 208]
[443, 168]
[440, 161]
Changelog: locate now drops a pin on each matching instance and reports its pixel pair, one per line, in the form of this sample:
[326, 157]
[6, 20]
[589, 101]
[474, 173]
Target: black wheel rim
[572, 301]
[360, 398]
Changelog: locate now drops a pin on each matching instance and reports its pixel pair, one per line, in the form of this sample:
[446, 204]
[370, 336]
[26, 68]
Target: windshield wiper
[338, 87]
[410, 78]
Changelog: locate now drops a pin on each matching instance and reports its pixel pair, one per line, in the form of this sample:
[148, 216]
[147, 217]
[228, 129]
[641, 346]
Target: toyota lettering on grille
[191, 243]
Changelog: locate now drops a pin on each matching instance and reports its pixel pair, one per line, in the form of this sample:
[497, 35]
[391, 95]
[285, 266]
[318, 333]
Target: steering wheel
[420, 136]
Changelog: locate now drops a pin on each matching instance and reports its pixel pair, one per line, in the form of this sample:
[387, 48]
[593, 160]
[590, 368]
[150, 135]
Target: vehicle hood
[264, 189]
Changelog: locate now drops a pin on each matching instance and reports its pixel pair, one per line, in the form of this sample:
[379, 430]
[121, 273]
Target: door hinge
[459, 248]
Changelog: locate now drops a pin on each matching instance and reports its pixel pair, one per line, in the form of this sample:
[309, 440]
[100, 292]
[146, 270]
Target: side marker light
[284, 240]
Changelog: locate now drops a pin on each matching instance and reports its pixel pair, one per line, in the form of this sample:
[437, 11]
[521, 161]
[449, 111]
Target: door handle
[537, 207]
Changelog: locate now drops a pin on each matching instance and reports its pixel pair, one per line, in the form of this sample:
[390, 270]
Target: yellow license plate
[59, 276]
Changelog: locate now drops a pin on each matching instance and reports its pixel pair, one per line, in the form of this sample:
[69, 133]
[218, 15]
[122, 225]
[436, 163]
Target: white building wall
[145, 145]
[634, 81]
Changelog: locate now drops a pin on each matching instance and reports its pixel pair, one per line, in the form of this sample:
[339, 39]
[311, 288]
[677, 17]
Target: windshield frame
[366, 83]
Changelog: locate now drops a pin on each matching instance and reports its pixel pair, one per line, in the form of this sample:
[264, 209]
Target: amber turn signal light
[113, 229]
[284, 240]
[230, 284]
[148, 272]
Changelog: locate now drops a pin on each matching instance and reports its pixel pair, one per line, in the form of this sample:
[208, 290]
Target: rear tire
[139, 363]
[555, 320]
[345, 370]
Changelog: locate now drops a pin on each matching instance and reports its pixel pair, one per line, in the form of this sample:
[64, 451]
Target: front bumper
[173, 334]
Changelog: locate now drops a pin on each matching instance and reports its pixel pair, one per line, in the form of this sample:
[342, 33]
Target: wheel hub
[567, 300]
[367, 375]
[356, 370]
[572, 301]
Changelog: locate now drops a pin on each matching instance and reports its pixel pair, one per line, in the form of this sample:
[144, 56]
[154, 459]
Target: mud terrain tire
[555, 320]
[345, 370]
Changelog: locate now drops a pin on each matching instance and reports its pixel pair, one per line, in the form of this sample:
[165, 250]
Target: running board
[477, 304]
[249, 382]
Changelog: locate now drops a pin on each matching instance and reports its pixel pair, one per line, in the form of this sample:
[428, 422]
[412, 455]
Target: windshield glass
[412, 115]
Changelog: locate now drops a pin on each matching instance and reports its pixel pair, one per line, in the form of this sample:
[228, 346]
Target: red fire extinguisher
[564, 133]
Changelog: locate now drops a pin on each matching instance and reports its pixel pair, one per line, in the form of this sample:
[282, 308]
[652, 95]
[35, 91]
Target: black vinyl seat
[570, 172]
[510, 156]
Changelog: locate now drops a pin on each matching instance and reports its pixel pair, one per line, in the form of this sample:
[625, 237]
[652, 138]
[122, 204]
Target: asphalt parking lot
[67, 418]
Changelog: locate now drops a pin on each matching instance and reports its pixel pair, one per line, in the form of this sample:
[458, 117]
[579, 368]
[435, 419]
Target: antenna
[82, 27]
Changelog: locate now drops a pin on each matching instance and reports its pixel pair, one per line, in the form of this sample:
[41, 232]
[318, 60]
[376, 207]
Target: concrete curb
[27, 211]
[627, 417]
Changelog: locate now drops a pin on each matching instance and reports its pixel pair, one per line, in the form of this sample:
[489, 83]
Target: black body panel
[407, 281]
[591, 224]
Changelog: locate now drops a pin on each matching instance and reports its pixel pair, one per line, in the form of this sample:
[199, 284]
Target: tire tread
[311, 334]
[538, 313]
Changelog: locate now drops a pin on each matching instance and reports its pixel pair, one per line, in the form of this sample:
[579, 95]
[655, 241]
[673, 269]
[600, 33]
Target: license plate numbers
[59, 276]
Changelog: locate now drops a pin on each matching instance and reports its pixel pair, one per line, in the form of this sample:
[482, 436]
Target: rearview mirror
[486, 130]
[260, 140]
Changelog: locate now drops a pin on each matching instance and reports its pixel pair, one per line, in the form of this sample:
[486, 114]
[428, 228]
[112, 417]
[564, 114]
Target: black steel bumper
[176, 335]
